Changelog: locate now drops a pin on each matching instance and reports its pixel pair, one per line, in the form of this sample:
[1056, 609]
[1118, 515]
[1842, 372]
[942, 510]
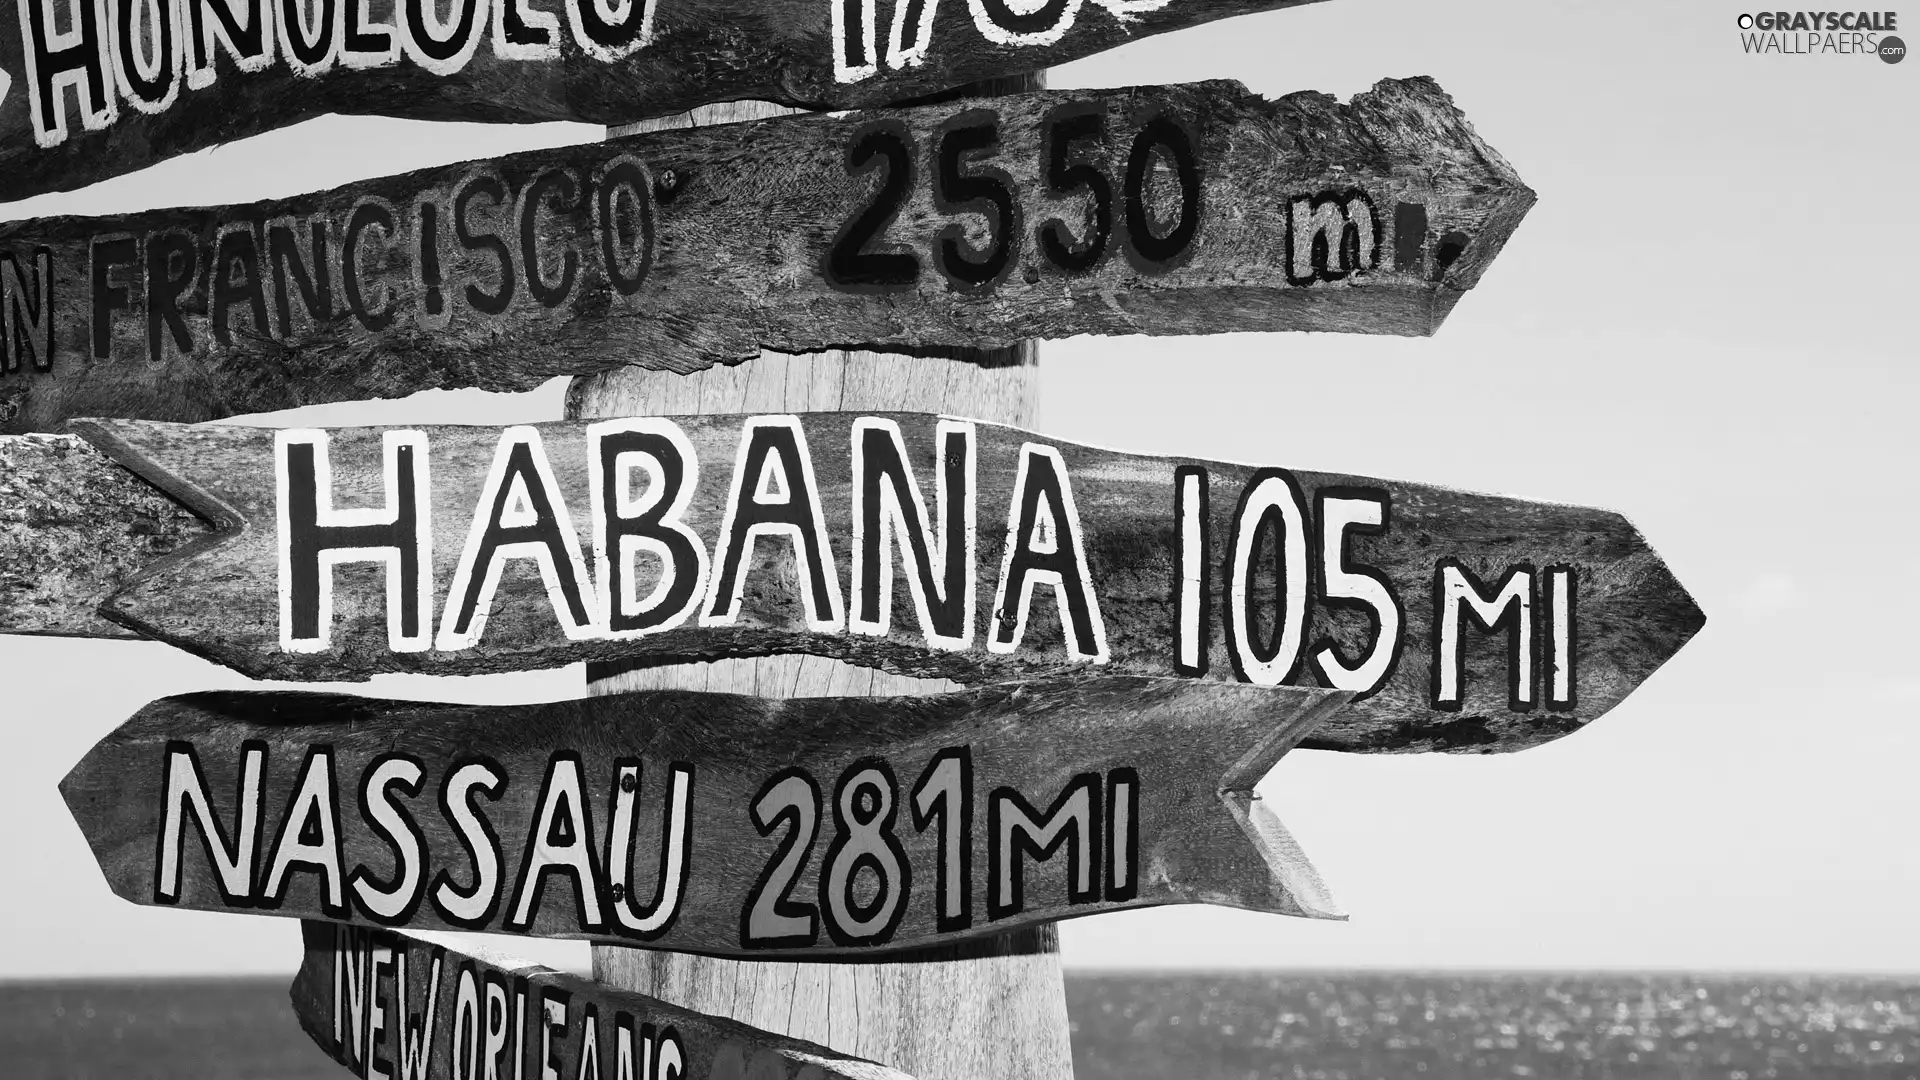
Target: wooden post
[991, 1010]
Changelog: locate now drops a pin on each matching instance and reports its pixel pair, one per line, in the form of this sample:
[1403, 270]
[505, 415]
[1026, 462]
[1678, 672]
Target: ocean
[1185, 1026]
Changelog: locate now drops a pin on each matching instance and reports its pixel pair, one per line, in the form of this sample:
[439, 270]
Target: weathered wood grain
[384, 1003]
[1468, 622]
[1191, 209]
[990, 1009]
[73, 527]
[656, 58]
[708, 823]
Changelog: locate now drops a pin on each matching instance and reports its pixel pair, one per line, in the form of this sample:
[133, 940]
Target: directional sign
[387, 1004]
[91, 91]
[927, 545]
[1159, 210]
[707, 823]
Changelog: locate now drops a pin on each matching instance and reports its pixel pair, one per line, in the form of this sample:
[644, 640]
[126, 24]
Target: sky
[1706, 324]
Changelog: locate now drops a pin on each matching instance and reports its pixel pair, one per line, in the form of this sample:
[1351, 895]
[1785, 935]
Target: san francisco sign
[1155, 210]
[934, 546]
[707, 823]
[93, 89]
[399, 1007]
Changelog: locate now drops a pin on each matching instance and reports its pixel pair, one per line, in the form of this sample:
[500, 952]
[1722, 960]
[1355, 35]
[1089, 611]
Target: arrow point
[1293, 712]
[1297, 884]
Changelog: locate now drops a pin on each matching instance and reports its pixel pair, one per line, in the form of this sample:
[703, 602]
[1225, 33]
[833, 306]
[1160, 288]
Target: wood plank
[648, 60]
[711, 823]
[1467, 622]
[73, 527]
[989, 1009]
[384, 1003]
[1193, 209]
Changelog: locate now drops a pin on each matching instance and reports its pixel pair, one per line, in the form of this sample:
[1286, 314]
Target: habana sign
[707, 823]
[96, 88]
[934, 546]
[1155, 210]
[393, 1006]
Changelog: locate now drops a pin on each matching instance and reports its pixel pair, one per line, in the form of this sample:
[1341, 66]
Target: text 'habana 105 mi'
[707, 822]
[104, 87]
[928, 545]
[1194, 209]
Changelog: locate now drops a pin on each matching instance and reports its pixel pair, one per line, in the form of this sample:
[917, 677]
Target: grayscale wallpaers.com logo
[1823, 33]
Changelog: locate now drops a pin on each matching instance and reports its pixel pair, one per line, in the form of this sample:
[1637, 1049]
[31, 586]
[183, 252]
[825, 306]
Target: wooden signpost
[387, 1004]
[709, 823]
[1186, 209]
[1142, 637]
[927, 545]
[89, 91]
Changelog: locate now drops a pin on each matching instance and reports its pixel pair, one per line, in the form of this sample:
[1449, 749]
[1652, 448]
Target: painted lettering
[416, 1029]
[657, 916]
[560, 843]
[1330, 236]
[368, 215]
[242, 29]
[310, 273]
[314, 538]
[26, 311]
[624, 527]
[1340, 513]
[1193, 589]
[472, 248]
[1159, 216]
[939, 566]
[774, 495]
[309, 36]
[1271, 518]
[231, 856]
[472, 907]
[561, 191]
[1045, 546]
[1506, 608]
[148, 59]
[442, 46]
[1019, 830]
[108, 254]
[236, 280]
[866, 876]
[608, 32]
[173, 261]
[58, 59]
[521, 515]
[865, 805]
[309, 838]
[392, 903]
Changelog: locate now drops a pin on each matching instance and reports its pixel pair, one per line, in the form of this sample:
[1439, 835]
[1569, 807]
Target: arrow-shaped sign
[388, 1004]
[1156, 210]
[107, 90]
[927, 545]
[707, 823]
